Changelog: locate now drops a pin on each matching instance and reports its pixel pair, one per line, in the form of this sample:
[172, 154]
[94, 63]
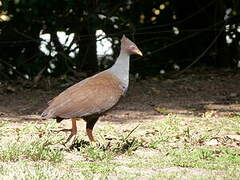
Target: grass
[170, 148]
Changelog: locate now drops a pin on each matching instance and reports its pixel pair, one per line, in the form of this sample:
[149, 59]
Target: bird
[94, 96]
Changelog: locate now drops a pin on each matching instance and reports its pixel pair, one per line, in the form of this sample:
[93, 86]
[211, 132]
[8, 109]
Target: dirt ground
[203, 93]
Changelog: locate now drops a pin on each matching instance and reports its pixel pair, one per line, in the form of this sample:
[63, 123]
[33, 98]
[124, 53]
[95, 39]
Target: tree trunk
[89, 57]
[89, 62]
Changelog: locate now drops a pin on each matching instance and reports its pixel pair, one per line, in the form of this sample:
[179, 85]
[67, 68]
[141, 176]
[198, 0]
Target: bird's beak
[138, 52]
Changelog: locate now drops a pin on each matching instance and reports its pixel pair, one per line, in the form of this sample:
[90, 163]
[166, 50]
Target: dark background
[173, 35]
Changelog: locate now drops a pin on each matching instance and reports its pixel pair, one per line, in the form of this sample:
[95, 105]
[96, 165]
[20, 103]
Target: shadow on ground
[216, 93]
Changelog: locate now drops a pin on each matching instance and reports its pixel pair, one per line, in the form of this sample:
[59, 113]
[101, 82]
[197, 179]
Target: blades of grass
[131, 132]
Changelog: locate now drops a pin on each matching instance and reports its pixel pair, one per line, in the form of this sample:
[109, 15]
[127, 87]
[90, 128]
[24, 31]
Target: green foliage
[106, 150]
[34, 150]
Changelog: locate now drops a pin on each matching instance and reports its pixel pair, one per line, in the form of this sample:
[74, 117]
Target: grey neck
[121, 68]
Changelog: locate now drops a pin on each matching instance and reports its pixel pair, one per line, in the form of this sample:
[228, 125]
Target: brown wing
[92, 95]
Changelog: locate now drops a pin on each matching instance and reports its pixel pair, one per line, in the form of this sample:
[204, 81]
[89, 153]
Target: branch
[202, 54]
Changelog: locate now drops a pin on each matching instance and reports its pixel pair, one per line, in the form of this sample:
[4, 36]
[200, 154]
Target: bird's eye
[132, 47]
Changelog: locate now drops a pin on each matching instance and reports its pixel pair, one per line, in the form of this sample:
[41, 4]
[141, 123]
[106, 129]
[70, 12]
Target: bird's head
[129, 47]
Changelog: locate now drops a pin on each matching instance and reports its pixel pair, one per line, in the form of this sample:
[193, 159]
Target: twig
[131, 132]
[183, 39]
[12, 67]
[180, 21]
[27, 36]
[202, 54]
[38, 77]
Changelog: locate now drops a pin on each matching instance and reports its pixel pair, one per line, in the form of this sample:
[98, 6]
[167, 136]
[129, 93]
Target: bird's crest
[125, 42]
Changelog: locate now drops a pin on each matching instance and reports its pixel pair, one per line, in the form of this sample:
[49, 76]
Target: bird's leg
[89, 133]
[91, 121]
[73, 134]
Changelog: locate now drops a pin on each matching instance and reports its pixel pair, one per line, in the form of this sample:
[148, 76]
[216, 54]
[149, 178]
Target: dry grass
[174, 148]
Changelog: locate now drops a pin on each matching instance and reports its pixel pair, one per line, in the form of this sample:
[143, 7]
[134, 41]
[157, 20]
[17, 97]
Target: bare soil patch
[208, 93]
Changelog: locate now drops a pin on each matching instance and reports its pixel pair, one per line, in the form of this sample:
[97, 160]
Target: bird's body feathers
[93, 95]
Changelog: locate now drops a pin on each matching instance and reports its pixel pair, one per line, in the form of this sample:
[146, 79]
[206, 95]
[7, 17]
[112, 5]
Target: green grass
[169, 148]
[35, 151]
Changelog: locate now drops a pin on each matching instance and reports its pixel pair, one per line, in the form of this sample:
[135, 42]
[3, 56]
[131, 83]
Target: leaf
[161, 110]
